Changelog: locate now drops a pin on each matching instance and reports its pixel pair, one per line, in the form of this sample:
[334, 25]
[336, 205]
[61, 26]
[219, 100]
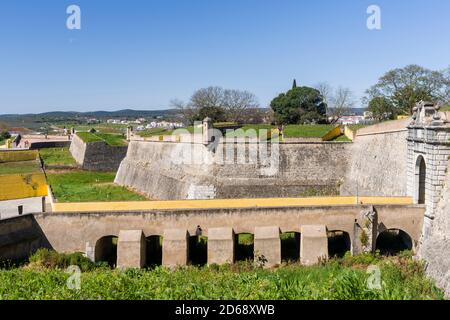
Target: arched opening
[244, 247]
[198, 251]
[153, 251]
[290, 246]
[339, 243]
[393, 241]
[421, 173]
[106, 250]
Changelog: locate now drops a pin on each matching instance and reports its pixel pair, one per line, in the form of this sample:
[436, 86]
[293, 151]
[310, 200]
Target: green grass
[88, 137]
[87, 186]
[356, 127]
[342, 138]
[307, 131]
[162, 132]
[343, 279]
[447, 108]
[57, 157]
[102, 127]
[20, 167]
[244, 130]
[114, 140]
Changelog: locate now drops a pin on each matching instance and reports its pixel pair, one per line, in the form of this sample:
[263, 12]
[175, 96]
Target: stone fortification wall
[19, 237]
[378, 161]
[97, 156]
[170, 171]
[435, 247]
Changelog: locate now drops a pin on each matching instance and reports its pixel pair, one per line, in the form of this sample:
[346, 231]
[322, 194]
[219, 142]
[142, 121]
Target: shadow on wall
[20, 237]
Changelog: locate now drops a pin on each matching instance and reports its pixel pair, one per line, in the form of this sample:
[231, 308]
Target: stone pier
[268, 245]
[175, 247]
[220, 245]
[131, 249]
[313, 245]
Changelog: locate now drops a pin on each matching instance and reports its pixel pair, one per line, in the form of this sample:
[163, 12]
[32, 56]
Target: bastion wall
[97, 156]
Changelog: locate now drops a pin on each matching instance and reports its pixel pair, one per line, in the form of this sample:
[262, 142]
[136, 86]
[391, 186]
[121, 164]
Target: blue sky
[143, 53]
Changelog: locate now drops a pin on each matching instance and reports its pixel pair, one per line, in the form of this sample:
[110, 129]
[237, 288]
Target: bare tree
[237, 102]
[187, 113]
[341, 102]
[325, 90]
[218, 104]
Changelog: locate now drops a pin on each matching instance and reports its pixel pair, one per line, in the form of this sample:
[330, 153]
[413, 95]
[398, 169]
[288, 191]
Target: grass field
[447, 108]
[86, 186]
[114, 140]
[102, 127]
[307, 131]
[339, 279]
[20, 167]
[57, 157]
[161, 132]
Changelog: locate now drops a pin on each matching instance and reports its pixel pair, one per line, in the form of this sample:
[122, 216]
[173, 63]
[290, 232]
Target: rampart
[97, 156]
[159, 170]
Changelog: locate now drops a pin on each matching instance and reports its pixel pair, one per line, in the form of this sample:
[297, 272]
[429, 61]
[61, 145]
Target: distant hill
[38, 120]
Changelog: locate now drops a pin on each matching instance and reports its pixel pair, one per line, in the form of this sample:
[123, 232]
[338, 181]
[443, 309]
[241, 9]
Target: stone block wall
[377, 165]
[97, 156]
[171, 171]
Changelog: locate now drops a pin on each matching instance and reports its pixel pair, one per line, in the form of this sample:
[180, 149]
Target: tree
[382, 108]
[294, 84]
[236, 102]
[299, 105]
[406, 86]
[218, 104]
[340, 103]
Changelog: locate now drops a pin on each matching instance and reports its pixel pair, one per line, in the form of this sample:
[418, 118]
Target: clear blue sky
[143, 53]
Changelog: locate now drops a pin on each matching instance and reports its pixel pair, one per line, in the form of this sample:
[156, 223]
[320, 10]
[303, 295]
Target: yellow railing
[228, 203]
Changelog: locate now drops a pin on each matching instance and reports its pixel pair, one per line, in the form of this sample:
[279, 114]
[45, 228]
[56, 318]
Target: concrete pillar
[220, 245]
[131, 249]
[267, 246]
[313, 244]
[175, 247]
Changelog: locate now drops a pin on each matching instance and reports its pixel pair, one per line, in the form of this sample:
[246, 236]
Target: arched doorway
[106, 250]
[339, 243]
[393, 241]
[421, 174]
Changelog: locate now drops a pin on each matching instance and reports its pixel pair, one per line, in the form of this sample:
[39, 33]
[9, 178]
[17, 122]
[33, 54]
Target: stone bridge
[93, 233]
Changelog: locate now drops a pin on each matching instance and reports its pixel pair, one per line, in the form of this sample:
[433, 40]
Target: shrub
[51, 259]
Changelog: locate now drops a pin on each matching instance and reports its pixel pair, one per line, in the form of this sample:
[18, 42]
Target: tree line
[395, 93]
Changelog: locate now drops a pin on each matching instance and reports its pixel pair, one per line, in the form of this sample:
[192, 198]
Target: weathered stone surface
[175, 247]
[131, 249]
[97, 156]
[435, 247]
[172, 171]
[378, 162]
[268, 245]
[314, 244]
[220, 246]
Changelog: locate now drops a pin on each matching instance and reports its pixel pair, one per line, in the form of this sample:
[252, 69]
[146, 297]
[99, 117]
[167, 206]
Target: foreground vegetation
[344, 278]
[86, 186]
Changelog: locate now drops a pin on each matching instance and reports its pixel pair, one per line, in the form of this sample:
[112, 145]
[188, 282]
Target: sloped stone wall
[97, 156]
[378, 165]
[302, 169]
